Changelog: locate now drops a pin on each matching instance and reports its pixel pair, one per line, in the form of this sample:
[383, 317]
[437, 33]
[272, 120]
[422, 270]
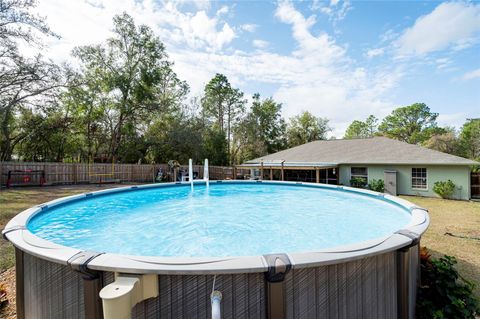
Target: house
[405, 168]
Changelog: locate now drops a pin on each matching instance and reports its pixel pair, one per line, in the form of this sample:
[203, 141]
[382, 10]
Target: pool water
[224, 220]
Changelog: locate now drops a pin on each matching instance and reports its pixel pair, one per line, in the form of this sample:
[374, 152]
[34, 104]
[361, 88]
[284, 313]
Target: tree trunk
[228, 135]
[6, 147]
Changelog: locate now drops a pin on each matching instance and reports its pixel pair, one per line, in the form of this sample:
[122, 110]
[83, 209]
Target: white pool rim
[17, 233]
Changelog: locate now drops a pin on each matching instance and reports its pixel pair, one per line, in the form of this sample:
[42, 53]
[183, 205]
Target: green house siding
[460, 175]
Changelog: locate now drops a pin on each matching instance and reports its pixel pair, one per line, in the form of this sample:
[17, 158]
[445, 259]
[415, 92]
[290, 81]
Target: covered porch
[326, 173]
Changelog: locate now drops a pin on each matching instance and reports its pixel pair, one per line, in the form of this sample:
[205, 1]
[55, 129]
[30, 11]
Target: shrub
[444, 189]
[358, 182]
[443, 292]
[3, 296]
[377, 185]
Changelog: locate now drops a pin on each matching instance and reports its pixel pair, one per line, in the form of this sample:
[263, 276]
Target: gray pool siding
[362, 288]
[51, 290]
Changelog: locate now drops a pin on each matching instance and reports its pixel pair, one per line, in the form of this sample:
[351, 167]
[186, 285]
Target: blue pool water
[225, 220]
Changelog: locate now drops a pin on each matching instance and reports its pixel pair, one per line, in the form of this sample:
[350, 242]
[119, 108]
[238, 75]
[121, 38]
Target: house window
[419, 178]
[359, 176]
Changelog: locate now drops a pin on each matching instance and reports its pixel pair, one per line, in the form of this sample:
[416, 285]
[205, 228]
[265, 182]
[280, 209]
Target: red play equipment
[26, 176]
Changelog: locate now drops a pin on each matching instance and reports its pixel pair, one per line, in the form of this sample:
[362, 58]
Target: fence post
[74, 173]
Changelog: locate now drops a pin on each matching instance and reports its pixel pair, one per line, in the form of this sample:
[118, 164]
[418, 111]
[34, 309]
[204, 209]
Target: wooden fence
[80, 173]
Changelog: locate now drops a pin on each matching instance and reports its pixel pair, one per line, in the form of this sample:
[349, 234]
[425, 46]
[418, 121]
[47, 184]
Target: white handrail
[206, 177]
[190, 173]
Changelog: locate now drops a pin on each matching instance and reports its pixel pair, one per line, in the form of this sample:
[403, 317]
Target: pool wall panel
[414, 278]
[189, 297]
[51, 290]
[363, 288]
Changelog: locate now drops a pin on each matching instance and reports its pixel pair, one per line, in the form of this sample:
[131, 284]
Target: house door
[475, 182]
[390, 178]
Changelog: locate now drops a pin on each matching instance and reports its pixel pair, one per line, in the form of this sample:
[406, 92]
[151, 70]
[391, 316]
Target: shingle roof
[375, 150]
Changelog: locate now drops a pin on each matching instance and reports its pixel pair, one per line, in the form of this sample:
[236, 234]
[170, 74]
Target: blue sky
[339, 59]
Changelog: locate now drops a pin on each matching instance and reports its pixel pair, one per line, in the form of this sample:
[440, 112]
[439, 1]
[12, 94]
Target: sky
[337, 59]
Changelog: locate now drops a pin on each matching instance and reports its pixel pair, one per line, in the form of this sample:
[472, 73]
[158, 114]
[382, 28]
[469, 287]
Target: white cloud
[317, 76]
[322, 48]
[443, 63]
[80, 23]
[475, 74]
[388, 36]
[199, 4]
[375, 52]
[450, 25]
[451, 119]
[249, 27]
[260, 44]
[336, 10]
[222, 10]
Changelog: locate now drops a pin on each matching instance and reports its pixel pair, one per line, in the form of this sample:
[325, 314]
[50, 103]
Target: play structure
[176, 173]
[26, 177]
[101, 174]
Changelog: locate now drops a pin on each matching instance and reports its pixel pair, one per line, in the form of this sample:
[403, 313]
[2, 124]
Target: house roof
[375, 150]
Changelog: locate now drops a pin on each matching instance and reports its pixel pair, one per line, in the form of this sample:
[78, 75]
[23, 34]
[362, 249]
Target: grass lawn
[457, 217]
[13, 201]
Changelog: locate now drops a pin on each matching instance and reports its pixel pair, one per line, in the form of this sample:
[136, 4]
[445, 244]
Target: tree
[446, 142]
[224, 105]
[215, 146]
[360, 129]
[135, 76]
[413, 124]
[24, 82]
[88, 106]
[306, 128]
[17, 23]
[268, 119]
[262, 131]
[48, 135]
[175, 135]
[470, 139]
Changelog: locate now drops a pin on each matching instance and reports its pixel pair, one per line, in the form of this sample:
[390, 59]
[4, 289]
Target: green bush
[443, 292]
[444, 189]
[377, 185]
[358, 182]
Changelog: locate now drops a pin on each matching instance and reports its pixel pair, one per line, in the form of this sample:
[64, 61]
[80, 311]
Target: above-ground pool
[278, 249]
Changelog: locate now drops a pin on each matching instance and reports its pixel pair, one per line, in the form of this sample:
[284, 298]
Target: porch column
[326, 171]
[317, 175]
[283, 177]
[261, 170]
[271, 174]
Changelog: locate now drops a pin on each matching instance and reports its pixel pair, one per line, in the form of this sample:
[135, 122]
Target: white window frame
[426, 179]
[365, 176]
